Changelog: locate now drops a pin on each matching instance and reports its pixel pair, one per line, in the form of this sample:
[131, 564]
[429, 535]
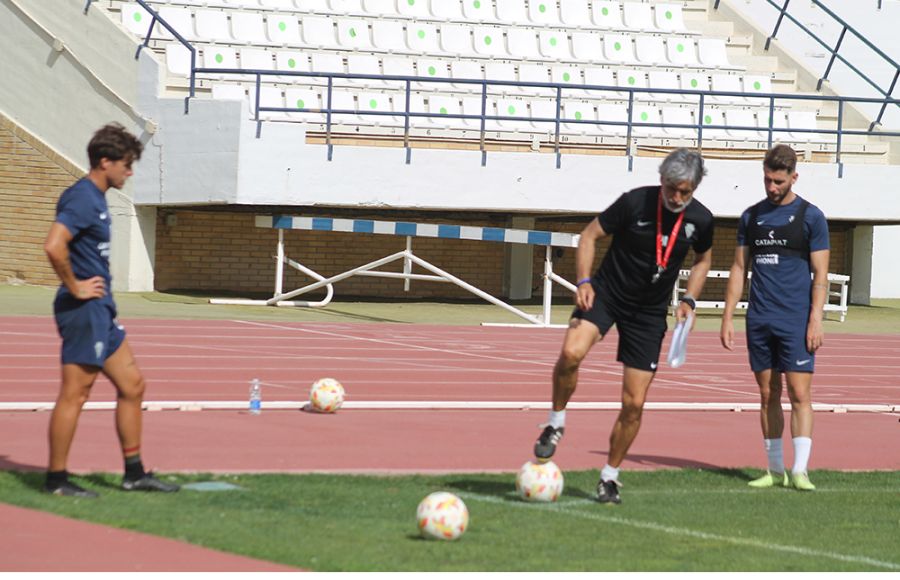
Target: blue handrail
[783, 13]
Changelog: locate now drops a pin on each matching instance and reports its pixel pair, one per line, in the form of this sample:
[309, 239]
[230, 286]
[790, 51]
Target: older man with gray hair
[653, 228]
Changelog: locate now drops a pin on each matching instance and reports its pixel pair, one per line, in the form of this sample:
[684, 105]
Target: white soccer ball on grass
[326, 395]
[443, 516]
[539, 482]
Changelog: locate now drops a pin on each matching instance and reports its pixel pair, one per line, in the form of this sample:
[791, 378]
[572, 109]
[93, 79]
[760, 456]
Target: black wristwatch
[689, 301]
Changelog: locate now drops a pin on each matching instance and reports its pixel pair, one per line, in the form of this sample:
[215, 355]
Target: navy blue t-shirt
[82, 209]
[781, 284]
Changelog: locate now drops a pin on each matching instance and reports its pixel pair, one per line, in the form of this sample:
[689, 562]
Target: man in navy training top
[653, 228]
[785, 238]
[93, 341]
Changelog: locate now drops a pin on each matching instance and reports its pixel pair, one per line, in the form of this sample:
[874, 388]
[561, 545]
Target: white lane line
[683, 532]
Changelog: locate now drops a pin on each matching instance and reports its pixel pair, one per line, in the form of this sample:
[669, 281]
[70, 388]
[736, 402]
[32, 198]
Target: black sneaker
[545, 446]
[69, 489]
[608, 491]
[148, 482]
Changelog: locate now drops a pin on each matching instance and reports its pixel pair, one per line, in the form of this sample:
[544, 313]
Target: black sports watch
[689, 300]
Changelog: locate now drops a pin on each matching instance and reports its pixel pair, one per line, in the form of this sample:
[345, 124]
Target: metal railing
[845, 28]
[630, 124]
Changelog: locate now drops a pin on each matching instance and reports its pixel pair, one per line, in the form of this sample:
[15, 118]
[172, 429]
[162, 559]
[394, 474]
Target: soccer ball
[443, 516]
[539, 481]
[326, 395]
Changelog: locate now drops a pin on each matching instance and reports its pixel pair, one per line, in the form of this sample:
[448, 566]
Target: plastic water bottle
[255, 397]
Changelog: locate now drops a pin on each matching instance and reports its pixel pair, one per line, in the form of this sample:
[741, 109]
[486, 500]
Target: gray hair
[682, 165]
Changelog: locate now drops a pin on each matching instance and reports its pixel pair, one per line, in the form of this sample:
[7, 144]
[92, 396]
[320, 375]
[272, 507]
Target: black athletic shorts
[641, 331]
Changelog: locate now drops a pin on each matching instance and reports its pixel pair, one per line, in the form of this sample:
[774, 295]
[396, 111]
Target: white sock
[609, 473]
[802, 449]
[775, 452]
[557, 418]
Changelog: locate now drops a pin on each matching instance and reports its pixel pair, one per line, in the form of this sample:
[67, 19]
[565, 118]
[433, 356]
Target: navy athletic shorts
[641, 331]
[779, 345]
[89, 330]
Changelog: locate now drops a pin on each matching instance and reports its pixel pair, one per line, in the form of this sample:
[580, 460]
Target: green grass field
[686, 520]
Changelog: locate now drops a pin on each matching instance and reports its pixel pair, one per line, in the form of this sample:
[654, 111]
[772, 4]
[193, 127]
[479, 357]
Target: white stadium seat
[450, 10]
[600, 77]
[413, 8]
[713, 117]
[248, 27]
[543, 13]
[345, 6]
[304, 99]
[257, 58]
[283, 29]
[650, 50]
[607, 15]
[135, 19]
[318, 31]
[664, 80]
[613, 113]
[554, 44]
[488, 40]
[511, 11]
[742, 118]
[353, 33]
[678, 116]
[182, 20]
[388, 35]
[466, 69]
[543, 109]
[212, 26]
[178, 59]
[728, 84]
[669, 17]
[646, 114]
[479, 11]
[579, 111]
[422, 37]
[379, 7]
[575, 12]
[638, 16]
[566, 74]
[456, 39]
[618, 48]
[713, 52]
[681, 51]
[219, 57]
[365, 64]
[228, 92]
[523, 43]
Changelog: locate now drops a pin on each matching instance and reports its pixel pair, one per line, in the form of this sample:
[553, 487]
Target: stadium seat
[742, 118]
[364, 64]
[579, 111]
[212, 26]
[554, 44]
[588, 46]
[650, 50]
[612, 113]
[283, 29]
[511, 11]
[353, 33]
[379, 7]
[456, 39]
[257, 58]
[601, 77]
[479, 11]
[413, 8]
[304, 99]
[291, 60]
[575, 13]
[522, 43]
[248, 27]
[228, 92]
[182, 21]
[669, 17]
[806, 120]
[388, 35]
[428, 68]
[345, 6]
[694, 81]
[726, 83]
[645, 113]
[758, 84]
[135, 19]
[713, 53]
[535, 73]
[543, 13]
[178, 60]
[449, 10]
[317, 6]
[318, 31]
[472, 106]
[396, 66]
[341, 100]
[681, 51]
[633, 79]
[328, 63]
[439, 105]
[618, 48]
[489, 41]
[422, 37]
[500, 71]
[268, 97]
[713, 117]
[511, 107]
[543, 109]
[368, 102]
[219, 57]
[678, 116]
[664, 80]
[607, 15]
[566, 74]
[638, 16]
[466, 69]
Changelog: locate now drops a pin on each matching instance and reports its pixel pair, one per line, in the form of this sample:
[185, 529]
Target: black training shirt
[628, 267]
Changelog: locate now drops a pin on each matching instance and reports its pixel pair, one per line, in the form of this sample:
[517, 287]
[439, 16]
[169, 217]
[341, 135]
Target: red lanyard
[663, 259]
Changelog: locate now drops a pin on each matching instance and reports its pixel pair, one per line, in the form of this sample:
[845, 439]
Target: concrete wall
[65, 74]
[885, 270]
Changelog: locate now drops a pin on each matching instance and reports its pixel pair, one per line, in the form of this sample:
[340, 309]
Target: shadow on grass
[507, 491]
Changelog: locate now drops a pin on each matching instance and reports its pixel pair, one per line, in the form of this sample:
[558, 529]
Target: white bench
[836, 301]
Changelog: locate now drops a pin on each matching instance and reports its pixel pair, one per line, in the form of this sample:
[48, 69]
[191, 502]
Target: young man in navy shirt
[653, 229]
[93, 341]
[785, 238]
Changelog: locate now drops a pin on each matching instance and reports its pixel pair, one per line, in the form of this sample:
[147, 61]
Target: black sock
[134, 469]
[57, 478]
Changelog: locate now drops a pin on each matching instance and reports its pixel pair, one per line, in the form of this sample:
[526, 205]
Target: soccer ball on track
[443, 516]
[326, 395]
[539, 481]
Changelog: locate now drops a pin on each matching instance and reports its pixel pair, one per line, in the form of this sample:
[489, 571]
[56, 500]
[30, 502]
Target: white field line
[682, 532]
